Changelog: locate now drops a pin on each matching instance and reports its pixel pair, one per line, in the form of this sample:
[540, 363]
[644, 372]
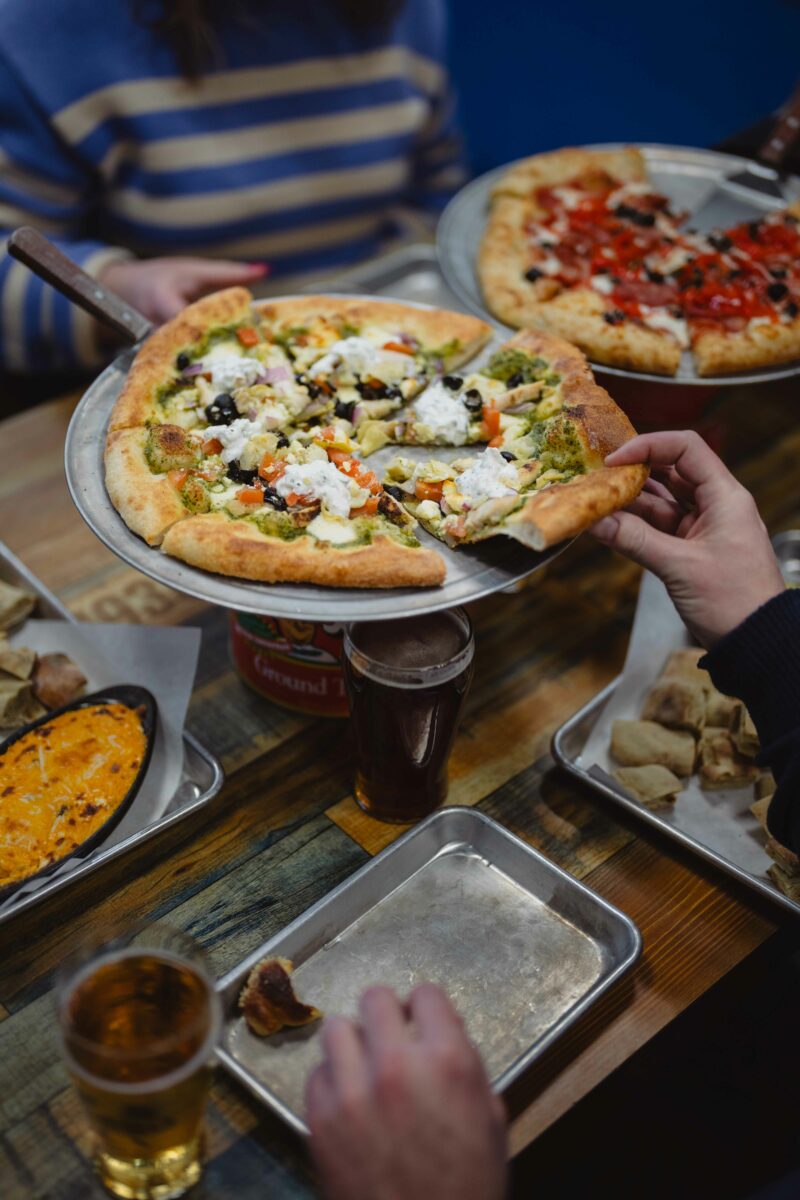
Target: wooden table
[285, 829]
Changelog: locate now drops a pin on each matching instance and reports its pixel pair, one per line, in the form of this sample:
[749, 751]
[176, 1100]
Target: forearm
[759, 662]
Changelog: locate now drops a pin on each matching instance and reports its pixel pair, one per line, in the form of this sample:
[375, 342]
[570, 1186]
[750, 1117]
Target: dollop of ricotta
[360, 356]
[234, 437]
[320, 481]
[230, 370]
[488, 478]
[443, 413]
[662, 319]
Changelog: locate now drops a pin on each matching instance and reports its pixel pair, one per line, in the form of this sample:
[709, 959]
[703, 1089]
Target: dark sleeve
[759, 663]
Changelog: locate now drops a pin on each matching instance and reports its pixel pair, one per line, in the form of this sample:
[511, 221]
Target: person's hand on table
[401, 1109]
[698, 529]
[160, 287]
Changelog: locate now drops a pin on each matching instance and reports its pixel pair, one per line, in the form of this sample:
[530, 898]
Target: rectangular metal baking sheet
[201, 776]
[716, 824]
[731, 839]
[521, 947]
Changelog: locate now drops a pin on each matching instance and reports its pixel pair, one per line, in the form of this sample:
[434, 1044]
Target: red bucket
[296, 664]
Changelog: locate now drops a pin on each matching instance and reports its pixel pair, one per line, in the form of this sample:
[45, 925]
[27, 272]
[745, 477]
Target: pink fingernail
[259, 268]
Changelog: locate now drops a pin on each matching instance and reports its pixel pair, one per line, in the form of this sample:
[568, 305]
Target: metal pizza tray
[730, 837]
[521, 947]
[472, 572]
[684, 173]
[201, 777]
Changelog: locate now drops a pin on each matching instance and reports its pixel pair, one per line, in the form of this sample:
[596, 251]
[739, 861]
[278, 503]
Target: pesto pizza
[238, 442]
[582, 244]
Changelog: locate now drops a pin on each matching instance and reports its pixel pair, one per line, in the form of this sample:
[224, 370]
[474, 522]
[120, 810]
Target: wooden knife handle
[784, 133]
[46, 260]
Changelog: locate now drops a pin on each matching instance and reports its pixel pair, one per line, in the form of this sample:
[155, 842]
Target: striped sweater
[298, 148]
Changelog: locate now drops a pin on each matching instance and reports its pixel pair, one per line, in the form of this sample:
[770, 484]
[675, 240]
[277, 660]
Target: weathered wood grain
[284, 829]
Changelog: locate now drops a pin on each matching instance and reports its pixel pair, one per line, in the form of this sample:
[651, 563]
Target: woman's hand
[696, 528]
[160, 287]
[401, 1109]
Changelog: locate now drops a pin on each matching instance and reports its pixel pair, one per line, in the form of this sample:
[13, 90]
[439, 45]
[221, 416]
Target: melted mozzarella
[488, 478]
[662, 319]
[330, 529]
[602, 283]
[443, 413]
[319, 481]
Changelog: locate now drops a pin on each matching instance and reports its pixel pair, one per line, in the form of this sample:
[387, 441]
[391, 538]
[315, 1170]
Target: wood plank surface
[285, 828]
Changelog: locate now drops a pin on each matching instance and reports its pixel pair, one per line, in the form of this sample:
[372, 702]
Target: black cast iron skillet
[132, 696]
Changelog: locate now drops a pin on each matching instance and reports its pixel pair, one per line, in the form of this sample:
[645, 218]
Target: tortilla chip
[15, 605]
[721, 765]
[678, 704]
[642, 743]
[653, 786]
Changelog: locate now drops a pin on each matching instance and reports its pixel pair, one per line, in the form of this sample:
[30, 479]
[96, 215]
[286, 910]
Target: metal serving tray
[684, 173]
[201, 777]
[472, 572]
[733, 844]
[522, 947]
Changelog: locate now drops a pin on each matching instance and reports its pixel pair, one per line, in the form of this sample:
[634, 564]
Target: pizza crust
[147, 503]
[564, 510]
[154, 364]
[718, 352]
[217, 543]
[560, 166]
[433, 327]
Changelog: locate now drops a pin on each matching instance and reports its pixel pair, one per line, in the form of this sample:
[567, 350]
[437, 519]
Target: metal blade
[731, 202]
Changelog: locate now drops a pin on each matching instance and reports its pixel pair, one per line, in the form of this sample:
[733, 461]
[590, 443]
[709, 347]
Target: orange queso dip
[61, 781]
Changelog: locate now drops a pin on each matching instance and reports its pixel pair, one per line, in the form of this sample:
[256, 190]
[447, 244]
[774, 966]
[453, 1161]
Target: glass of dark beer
[406, 681]
[138, 1025]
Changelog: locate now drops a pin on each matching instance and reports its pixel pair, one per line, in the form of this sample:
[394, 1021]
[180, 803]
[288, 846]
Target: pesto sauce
[347, 330]
[283, 337]
[443, 352]
[505, 364]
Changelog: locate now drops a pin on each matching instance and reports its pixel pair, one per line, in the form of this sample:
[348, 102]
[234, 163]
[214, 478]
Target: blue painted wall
[532, 76]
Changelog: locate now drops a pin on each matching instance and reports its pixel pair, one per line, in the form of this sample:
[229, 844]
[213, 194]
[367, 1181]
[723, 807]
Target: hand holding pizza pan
[470, 571]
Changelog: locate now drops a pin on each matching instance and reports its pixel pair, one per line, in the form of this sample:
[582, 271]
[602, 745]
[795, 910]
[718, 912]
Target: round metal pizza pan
[472, 572]
[686, 174]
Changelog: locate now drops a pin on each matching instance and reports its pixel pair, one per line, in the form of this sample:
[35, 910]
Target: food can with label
[293, 663]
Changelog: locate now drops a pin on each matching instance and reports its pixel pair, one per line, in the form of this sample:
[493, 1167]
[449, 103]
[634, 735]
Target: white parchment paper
[720, 820]
[160, 658]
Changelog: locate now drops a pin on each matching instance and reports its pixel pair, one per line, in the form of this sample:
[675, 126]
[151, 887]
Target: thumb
[633, 537]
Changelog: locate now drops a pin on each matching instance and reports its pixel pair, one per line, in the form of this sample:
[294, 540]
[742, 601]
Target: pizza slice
[543, 479]
[579, 243]
[463, 409]
[741, 296]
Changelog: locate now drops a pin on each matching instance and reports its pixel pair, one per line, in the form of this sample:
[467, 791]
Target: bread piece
[765, 785]
[682, 664]
[57, 680]
[786, 859]
[16, 660]
[743, 732]
[721, 765]
[653, 786]
[678, 704]
[719, 709]
[642, 743]
[268, 1001]
[15, 605]
[759, 810]
[18, 705]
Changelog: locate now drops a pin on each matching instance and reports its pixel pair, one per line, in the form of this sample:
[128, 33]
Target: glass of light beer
[406, 681]
[138, 1025]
